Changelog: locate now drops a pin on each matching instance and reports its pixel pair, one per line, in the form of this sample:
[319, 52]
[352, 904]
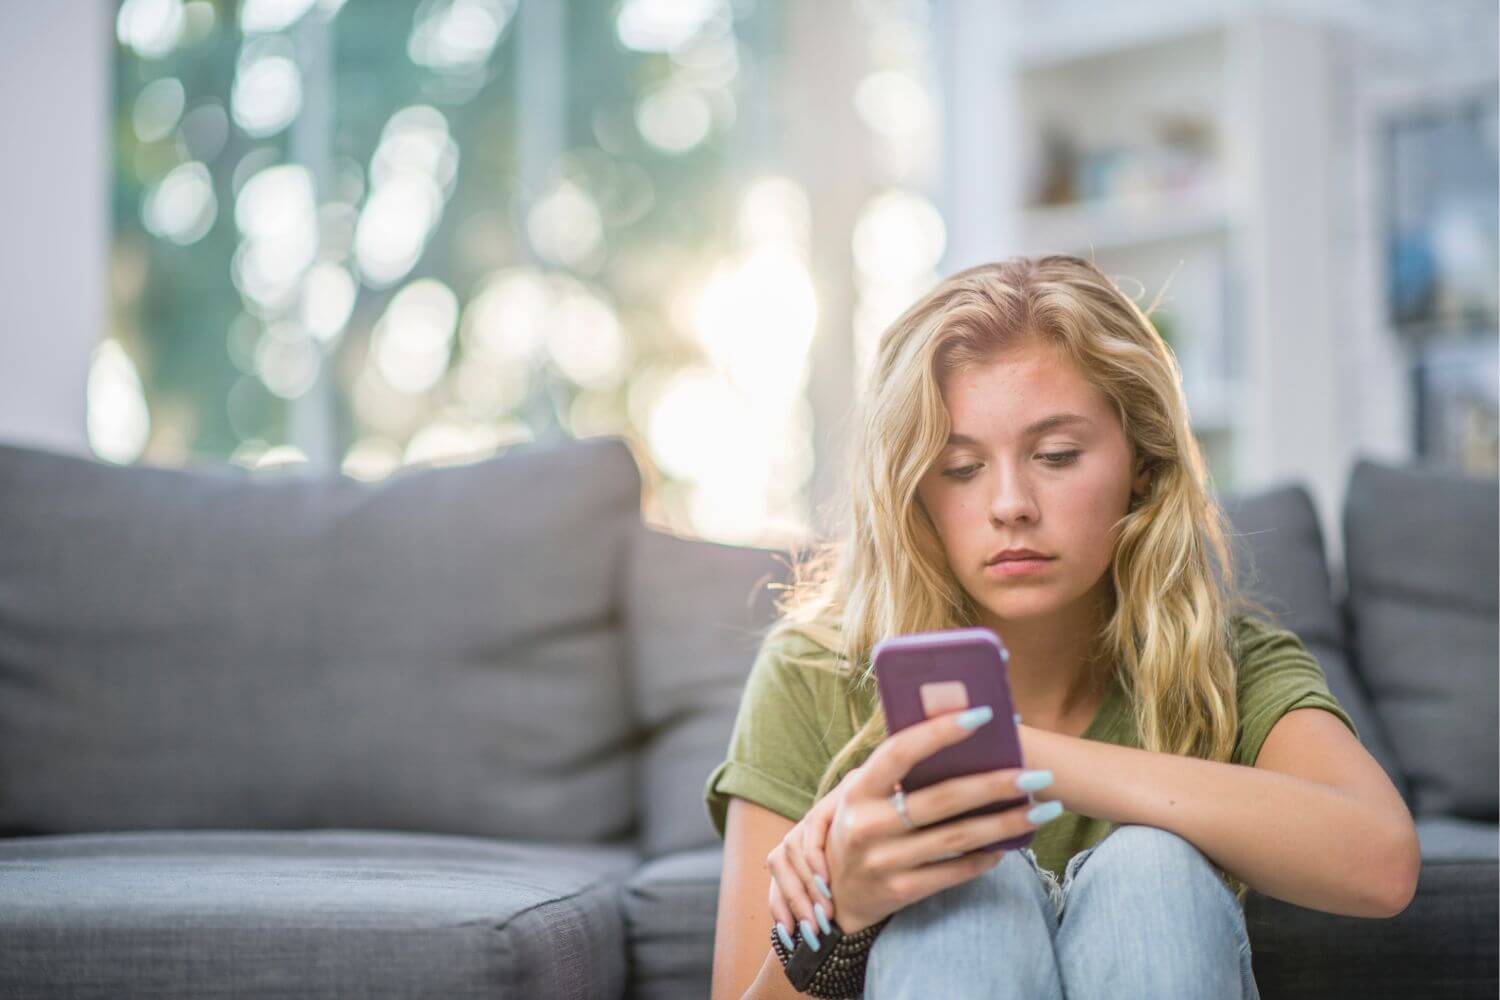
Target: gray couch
[447, 734]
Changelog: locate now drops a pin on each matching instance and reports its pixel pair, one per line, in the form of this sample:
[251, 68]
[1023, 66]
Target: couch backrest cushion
[695, 613]
[204, 647]
[1422, 548]
[1282, 563]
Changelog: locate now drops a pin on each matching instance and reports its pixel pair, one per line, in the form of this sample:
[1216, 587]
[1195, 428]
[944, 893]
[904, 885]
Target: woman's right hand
[877, 864]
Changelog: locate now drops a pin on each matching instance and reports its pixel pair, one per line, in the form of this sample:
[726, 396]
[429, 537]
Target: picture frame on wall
[1442, 228]
[1443, 203]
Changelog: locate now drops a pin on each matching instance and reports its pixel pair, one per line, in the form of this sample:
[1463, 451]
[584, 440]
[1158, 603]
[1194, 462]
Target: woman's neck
[1054, 676]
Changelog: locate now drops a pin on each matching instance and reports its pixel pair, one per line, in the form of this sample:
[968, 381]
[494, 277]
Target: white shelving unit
[1240, 234]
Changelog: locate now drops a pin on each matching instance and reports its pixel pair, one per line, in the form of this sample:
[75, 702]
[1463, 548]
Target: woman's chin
[1020, 610]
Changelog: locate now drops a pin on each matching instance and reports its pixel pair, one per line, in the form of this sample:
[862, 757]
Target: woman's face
[1037, 459]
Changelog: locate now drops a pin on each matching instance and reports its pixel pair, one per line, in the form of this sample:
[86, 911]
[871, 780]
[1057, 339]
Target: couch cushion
[203, 647]
[319, 913]
[1441, 947]
[695, 612]
[670, 907]
[1445, 838]
[1422, 548]
[1281, 562]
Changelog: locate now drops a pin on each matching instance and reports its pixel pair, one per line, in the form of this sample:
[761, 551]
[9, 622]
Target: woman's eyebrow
[1040, 427]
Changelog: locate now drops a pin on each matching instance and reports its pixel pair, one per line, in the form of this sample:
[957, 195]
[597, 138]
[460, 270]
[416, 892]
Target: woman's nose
[1012, 499]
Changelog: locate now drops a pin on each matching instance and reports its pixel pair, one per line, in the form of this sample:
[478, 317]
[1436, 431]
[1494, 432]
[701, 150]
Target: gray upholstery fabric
[670, 905]
[695, 612]
[332, 913]
[502, 650]
[194, 648]
[1281, 562]
[1445, 838]
[1422, 553]
[1442, 945]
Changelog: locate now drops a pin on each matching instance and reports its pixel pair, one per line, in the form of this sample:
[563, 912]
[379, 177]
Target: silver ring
[898, 799]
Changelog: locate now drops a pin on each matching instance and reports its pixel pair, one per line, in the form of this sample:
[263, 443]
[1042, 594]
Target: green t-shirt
[792, 719]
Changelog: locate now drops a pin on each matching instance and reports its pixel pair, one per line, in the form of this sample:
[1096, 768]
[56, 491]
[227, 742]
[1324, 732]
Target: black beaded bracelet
[836, 971]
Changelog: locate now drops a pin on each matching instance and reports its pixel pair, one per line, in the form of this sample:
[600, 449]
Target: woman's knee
[1011, 886]
[992, 933]
[1156, 863]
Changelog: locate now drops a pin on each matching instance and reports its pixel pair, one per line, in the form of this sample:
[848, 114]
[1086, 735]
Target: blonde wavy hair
[1169, 637]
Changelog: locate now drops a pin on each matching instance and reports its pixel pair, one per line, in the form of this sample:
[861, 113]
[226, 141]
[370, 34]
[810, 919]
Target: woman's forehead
[1019, 385]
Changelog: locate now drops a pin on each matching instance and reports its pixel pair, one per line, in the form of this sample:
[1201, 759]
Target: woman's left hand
[798, 864]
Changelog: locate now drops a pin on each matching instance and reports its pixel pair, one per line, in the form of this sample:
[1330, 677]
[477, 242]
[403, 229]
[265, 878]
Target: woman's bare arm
[1315, 822]
[744, 964]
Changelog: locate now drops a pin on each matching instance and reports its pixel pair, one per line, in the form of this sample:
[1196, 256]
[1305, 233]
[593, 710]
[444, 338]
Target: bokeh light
[411, 174]
[150, 27]
[898, 233]
[158, 108]
[673, 118]
[287, 359]
[412, 341]
[565, 226]
[181, 207]
[662, 25]
[328, 294]
[261, 16]
[267, 91]
[277, 217]
[450, 35]
[118, 419]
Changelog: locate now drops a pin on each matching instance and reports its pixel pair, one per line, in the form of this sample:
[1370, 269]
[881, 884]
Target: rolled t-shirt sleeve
[777, 748]
[1277, 674]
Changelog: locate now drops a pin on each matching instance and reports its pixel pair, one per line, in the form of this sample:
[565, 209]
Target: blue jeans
[1142, 913]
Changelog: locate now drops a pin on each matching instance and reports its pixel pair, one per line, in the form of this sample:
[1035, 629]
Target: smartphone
[931, 673]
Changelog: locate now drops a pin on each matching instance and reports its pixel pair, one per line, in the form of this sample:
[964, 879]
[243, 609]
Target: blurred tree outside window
[373, 234]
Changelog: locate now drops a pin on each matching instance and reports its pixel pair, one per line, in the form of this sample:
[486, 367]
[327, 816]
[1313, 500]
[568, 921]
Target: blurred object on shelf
[1059, 164]
[1456, 409]
[1178, 155]
[1188, 151]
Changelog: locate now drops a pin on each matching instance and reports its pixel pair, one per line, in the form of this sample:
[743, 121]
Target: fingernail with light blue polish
[1044, 812]
[809, 934]
[976, 717]
[823, 886]
[822, 915]
[1030, 781]
[786, 939]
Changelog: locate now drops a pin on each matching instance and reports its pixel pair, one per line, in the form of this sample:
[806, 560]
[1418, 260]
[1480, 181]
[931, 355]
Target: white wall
[54, 207]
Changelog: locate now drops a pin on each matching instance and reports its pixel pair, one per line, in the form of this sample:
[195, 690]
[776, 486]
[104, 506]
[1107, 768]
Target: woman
[1182, 745]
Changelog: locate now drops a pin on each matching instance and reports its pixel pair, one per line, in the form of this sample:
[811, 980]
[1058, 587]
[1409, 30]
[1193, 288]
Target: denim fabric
[1142, 913]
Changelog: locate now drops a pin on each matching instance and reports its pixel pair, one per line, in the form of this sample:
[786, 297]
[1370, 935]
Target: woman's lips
[1017, 567]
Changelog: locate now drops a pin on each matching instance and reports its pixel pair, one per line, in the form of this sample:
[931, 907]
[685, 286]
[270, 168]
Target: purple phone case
[977, 657]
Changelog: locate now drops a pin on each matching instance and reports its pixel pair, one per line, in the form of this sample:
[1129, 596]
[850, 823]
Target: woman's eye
[1056, 459]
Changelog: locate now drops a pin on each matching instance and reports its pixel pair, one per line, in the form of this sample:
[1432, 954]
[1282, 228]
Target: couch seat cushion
[1441, 946]
[670, 907]
[309, 913]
